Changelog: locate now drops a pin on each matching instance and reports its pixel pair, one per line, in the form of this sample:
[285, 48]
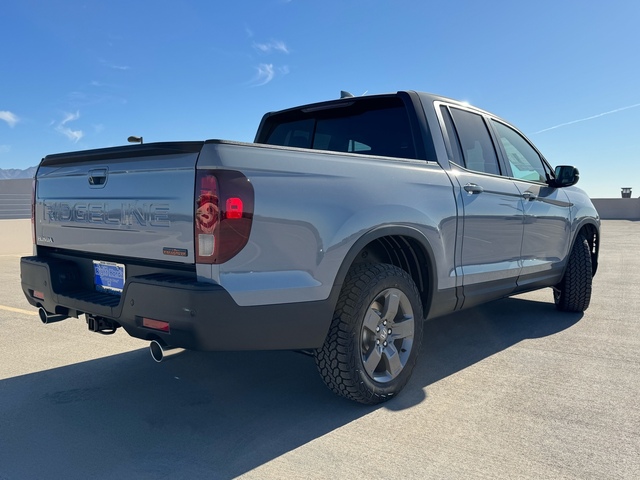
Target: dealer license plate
[108, 277]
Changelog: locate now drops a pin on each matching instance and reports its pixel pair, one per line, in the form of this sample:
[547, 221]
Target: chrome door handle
[473, 188]
[529, 195]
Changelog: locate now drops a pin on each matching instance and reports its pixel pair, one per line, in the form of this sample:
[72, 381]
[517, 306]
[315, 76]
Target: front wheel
[375, 335]
[573, 293]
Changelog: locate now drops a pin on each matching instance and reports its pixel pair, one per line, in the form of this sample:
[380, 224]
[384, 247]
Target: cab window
[526, 164]
[376, 126]
[475, 143]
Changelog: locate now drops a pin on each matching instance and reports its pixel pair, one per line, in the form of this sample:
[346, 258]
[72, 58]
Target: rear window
[370, 127]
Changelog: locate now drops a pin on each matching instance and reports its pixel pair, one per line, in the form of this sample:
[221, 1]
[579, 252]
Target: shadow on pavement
[218, 415]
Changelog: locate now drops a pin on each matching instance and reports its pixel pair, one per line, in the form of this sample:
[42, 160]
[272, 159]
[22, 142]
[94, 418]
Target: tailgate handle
[98, 177]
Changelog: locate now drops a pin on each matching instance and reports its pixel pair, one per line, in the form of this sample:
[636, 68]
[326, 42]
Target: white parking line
[19, 310]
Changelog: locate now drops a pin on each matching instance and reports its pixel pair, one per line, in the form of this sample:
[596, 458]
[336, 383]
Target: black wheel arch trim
[589, 223]
[426, 286]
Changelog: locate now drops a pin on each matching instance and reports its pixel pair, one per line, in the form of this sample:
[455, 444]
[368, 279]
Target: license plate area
[108, 277]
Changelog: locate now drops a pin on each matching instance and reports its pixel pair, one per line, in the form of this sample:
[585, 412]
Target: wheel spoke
[403, 329]
[391, 304]
[394, 364]
[372, 361]
[371, 320]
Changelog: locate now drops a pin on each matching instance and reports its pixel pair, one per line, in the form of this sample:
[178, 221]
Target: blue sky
[87, 74]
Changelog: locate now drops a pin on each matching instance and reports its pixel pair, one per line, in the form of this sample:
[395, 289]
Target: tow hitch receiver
[101, 325]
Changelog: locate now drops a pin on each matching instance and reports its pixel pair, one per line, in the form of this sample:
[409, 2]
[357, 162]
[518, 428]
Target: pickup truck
[337, 232]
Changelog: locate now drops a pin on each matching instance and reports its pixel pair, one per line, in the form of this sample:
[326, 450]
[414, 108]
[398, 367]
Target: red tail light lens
[235, 208]
[223, 214]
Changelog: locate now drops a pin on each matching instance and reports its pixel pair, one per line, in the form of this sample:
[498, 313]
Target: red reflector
[38, 295]
[155, 324]
[235, 208]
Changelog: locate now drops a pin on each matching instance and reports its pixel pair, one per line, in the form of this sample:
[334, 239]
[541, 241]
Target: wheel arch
[399, 245]
[591, 232]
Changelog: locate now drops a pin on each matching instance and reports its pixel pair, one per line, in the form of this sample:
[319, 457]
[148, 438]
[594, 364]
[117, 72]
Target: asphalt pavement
[510, 390]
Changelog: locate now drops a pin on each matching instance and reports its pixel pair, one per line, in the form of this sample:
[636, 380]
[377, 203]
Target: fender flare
[429, 283]
[579, 226]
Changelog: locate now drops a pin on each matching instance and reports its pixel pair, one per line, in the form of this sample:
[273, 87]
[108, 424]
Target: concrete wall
[15, 237]
[15, 198]
[618, 208]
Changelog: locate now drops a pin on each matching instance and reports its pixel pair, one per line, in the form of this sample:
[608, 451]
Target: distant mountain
[11, 173]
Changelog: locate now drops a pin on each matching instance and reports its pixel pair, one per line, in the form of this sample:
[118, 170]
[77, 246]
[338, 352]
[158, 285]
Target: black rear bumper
[201, 316]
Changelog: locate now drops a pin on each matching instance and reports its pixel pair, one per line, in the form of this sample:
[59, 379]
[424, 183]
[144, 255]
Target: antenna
[345, 94]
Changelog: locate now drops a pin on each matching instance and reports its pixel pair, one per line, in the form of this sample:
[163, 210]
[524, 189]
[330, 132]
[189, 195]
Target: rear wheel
[573, 293]
[375, 335]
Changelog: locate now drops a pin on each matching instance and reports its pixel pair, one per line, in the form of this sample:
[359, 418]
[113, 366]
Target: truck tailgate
[135, 201]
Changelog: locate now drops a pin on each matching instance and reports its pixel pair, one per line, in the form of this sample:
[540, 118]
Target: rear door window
[474, 140]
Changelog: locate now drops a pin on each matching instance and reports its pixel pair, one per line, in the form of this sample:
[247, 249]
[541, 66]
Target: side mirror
[565, 176]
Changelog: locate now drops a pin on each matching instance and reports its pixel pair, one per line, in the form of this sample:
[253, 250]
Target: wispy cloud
[272, 46]
[114, 66]
[264, 75]
[94, 93]
[265, 72]
[9, 117]
[73, 135]
[5, 148]
[588, 118]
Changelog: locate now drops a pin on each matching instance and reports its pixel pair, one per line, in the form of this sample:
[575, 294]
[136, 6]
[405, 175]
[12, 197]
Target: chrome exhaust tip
[47, 317]
[159, 350]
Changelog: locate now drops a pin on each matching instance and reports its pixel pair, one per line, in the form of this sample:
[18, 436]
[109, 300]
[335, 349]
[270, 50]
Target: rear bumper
[201, 316]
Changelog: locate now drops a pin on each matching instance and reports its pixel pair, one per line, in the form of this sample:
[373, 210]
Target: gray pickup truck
[338, 231]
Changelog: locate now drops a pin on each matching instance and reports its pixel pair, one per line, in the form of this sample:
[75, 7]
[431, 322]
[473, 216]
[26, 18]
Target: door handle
[473, 189]
[529, 195]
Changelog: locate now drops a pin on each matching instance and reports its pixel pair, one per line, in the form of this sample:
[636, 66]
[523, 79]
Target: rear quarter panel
[310, 209]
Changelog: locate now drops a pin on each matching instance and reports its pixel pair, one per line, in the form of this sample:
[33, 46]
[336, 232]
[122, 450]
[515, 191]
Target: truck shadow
[457, 341]
[222, 414]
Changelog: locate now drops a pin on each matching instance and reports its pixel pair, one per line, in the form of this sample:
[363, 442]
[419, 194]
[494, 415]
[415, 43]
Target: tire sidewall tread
[339, 359]
[573, 293]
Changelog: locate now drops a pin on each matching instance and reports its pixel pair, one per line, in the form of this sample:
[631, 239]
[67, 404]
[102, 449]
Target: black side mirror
[565, 176]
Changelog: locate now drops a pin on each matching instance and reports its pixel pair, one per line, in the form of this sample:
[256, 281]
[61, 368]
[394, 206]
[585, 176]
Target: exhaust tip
[157, 353]
[161, 351]
[46, 317]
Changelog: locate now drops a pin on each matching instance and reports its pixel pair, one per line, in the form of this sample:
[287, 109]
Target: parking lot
[510, 390]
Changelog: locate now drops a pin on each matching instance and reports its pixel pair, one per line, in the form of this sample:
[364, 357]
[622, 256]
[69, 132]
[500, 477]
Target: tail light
[223, 214]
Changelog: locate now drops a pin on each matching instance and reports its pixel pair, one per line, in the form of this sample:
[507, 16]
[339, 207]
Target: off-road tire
[573, 293]
[378, 318]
